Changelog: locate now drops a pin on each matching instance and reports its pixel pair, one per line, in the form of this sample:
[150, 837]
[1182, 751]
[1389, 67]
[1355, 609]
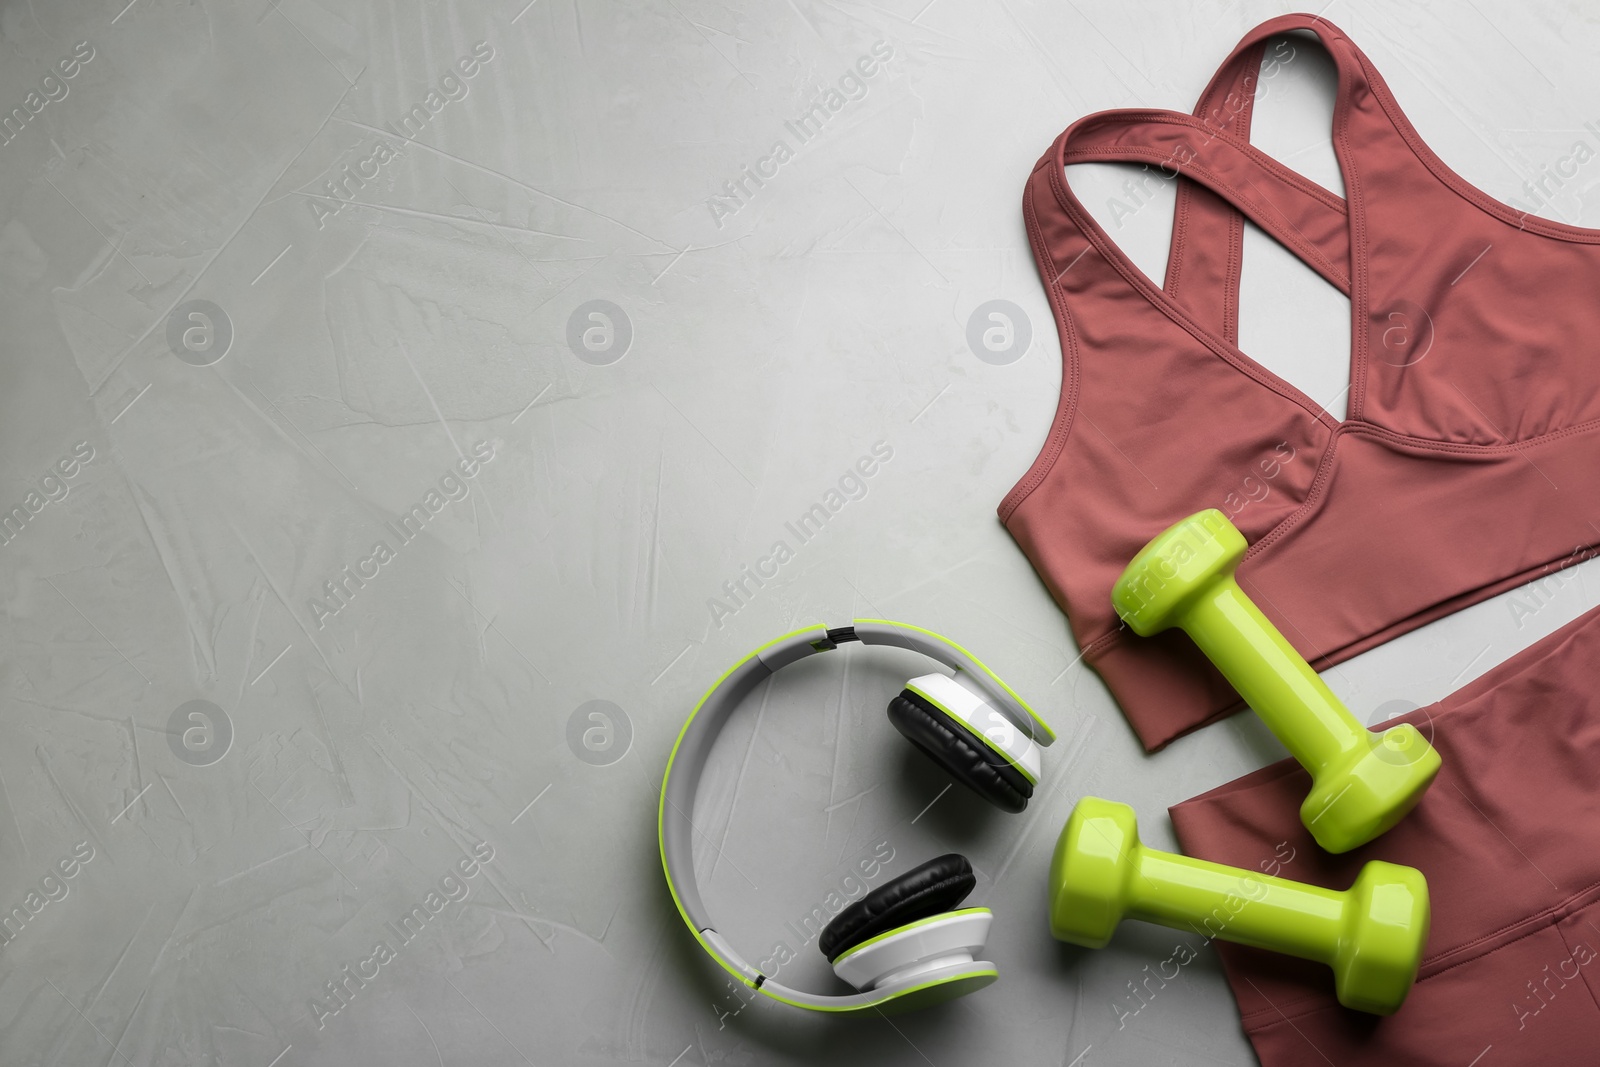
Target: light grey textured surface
[266, 377]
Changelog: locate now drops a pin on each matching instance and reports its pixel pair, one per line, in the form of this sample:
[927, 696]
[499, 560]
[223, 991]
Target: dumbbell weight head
[1090, 870]
[1179, 565]
[1386, 921]
[1367, 794]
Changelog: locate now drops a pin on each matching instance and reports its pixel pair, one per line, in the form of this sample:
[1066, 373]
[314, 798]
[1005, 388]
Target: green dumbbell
[1371, 934]
[1363, 782]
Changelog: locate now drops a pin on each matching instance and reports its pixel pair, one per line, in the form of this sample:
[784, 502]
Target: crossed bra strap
[1207, 231]
[1304, 216]
[1222, 180]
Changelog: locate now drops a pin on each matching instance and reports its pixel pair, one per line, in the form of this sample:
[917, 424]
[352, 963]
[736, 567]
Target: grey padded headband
[675, 824]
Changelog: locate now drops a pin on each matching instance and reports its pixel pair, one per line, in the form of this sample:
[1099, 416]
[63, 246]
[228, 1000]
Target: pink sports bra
[1467, 464]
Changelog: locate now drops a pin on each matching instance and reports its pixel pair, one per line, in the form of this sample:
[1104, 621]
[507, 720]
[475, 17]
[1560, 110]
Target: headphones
[907, 941]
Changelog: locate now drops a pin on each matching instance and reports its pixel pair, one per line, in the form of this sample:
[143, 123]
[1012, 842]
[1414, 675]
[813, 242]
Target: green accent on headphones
[1049, 735]
[923, 981]
[911, 926]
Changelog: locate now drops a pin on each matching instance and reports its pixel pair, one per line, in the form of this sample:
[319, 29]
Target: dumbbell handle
[1271, 675]
[1236, 905]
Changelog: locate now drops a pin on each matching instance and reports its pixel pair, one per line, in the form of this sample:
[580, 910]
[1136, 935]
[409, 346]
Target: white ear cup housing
[902, 955]
[972, 709]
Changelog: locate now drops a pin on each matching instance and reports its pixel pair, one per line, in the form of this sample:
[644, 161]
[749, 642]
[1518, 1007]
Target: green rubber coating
[1371, 934]
[1363, 781]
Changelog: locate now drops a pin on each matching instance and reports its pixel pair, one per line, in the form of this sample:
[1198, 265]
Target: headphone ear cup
[937, 886]
[952, 745]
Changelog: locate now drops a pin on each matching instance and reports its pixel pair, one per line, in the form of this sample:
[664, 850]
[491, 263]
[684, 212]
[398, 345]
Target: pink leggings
[1509, 839]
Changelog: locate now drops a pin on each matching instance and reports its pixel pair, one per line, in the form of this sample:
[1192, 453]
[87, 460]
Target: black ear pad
[936, 886]
[957, 749]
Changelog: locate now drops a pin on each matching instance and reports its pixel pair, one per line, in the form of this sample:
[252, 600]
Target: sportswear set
[1462, 470]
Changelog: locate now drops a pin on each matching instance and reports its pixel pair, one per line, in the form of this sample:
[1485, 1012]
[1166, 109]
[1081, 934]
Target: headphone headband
[674, 817]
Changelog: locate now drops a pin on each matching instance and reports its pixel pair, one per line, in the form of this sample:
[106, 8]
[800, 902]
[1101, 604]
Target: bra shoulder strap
[1207, 231]
[1203, 264]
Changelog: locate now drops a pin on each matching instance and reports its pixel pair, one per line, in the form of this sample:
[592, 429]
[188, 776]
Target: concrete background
[273, 273]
